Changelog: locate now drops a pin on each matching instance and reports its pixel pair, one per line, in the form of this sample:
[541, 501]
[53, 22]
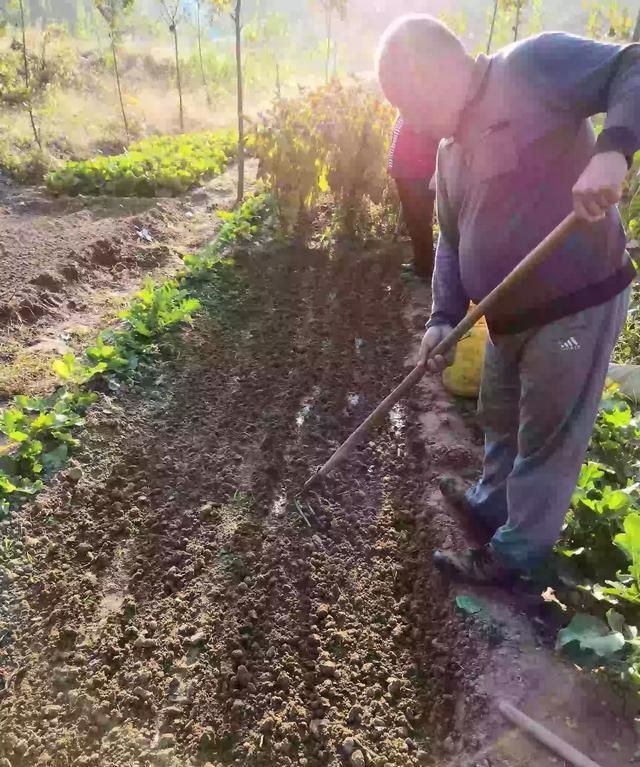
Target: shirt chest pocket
[493, 155]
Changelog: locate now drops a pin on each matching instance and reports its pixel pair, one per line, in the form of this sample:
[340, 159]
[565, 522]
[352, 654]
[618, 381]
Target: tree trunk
[174, 29]
[516, 27]
[636, 31]
[237, 18]
[493, 26]
[116, 72]
[329, 32]
[27, 79]
[278, 82]
[99, 42]
[202, 72]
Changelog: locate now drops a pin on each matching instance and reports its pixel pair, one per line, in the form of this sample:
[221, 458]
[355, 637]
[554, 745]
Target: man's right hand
[432, 338]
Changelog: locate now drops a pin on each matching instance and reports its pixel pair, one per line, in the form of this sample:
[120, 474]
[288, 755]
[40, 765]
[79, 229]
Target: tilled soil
[53, 249]
[166, 602]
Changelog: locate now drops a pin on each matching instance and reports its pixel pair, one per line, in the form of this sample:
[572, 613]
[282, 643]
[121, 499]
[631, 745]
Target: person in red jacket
[412, 165]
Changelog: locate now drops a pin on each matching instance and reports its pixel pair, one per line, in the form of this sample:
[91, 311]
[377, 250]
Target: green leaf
[616, 413]
[55, 459]
[618, 624]
[469, 604]
[12, 418]
[629, 542]
[616, 500]
[589, 474]
[6, 485]
[587, 635]
[61, 369]
[616, 621]
[572, 552]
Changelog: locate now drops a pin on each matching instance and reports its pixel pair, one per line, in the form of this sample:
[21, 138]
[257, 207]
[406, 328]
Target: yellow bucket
[463, 377]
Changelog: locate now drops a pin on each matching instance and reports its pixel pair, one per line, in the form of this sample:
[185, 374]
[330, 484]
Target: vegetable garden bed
[164, 165]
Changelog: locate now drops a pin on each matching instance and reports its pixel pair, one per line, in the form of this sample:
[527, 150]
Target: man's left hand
[600, 186]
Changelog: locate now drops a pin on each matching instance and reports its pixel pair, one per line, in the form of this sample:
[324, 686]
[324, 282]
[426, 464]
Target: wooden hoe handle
[563, 749]
[533, 259]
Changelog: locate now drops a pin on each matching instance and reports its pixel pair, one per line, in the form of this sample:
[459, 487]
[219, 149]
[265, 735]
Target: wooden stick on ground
[537, 255]
[546, 737]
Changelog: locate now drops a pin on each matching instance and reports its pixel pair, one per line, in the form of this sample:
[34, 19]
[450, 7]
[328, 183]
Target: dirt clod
[328, 668]
[145, 643]
[348, 746]
[74, 474]
[243, 677]
[449, 745]
[49, 281]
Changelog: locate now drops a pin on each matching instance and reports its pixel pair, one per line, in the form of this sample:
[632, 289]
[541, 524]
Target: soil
[167, 602]
[55, 251]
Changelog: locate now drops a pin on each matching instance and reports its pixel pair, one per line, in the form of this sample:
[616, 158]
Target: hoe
[525, 267]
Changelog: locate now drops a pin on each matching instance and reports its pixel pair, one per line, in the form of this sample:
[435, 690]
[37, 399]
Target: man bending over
[520, 154]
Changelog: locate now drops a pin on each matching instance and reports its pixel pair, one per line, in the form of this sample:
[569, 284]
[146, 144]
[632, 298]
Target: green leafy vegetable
[587, 639]
[163, 165]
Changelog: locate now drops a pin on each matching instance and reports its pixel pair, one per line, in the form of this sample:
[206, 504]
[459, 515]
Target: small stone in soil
[243, 676]
[357, 759]
[168, 740]
[348, 746]
[355, 715]
[267, 725]
[328, 668]
[394, 686]
[145, 643]
[448, 745]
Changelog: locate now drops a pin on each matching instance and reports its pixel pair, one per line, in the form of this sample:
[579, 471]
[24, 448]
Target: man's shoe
[454, 492]
[475, 566]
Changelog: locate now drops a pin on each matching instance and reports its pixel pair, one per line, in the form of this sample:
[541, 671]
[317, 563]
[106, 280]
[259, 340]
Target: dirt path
[168, 604]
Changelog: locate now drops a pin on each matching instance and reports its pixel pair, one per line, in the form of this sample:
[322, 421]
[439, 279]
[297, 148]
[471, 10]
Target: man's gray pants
[539, 399]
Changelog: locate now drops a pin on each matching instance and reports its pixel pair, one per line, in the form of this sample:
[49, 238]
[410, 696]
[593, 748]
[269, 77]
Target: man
[521, 154]
[412, 165]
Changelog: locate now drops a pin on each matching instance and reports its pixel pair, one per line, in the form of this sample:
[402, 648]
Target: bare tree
[516, 26]
[202, 72]
[507, 7]
[27, 78]
[213, 7]
[636, 31]
[330, 7]
[492, 28]
[237, 22]
[112, 12]
[171, 13]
